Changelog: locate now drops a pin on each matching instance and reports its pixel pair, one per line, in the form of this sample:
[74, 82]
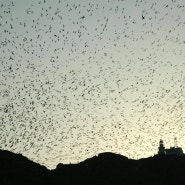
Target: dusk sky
[81, 77]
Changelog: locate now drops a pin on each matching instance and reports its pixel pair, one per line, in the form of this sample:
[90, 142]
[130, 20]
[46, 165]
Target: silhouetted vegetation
[105, 169]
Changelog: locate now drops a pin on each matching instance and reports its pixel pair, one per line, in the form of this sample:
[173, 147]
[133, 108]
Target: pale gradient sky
[78, 78]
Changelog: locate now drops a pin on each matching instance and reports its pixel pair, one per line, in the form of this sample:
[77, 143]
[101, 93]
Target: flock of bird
[78, 78]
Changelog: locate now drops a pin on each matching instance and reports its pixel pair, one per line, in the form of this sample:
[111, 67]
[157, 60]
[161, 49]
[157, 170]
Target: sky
[78, 78]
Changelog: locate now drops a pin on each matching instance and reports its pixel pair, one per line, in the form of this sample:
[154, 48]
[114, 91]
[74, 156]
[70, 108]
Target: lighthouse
[161, 149]
[170, 151]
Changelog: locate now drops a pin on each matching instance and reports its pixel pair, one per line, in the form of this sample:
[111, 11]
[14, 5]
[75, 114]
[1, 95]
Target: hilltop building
[170, 151]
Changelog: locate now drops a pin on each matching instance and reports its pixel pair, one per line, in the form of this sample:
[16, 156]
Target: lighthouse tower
[161, 149]
[175, 142]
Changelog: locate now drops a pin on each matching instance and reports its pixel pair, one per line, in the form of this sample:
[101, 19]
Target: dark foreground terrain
[105, 169]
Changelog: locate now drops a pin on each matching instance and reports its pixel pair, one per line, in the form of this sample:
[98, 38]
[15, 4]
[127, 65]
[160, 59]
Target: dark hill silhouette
[104, 169]
[16, 169]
